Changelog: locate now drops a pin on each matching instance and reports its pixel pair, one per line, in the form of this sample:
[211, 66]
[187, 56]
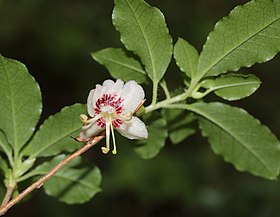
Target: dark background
[54, 40]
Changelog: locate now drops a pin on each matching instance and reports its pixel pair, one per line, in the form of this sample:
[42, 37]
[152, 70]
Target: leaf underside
[55, 134]
[120, 65]
[76, 183]
[157, 130]
[20, 102]
[239, 138]
[232, 86]
[180, 124]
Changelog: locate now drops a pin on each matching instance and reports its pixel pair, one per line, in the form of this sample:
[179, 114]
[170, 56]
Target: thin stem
[42, 180]
[176, 99]
[172, 100]
[165, 89]
[8, 195]
[180, 106]
[155, 90]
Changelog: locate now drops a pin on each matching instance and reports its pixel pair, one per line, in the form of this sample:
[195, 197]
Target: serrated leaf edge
[227, 131]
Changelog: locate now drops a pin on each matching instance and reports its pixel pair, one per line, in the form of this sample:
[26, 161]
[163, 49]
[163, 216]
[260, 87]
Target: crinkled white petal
[108, 87]
[113, 87]
[93, 96]
[132, 94]
[96, 93]
[133, 129]
[89, 131]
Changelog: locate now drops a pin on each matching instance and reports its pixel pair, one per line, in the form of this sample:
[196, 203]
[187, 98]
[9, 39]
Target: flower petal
[133, 129]
[132, 94]
[94, 94]
[111, 87]
[88, 131]
[108, 87]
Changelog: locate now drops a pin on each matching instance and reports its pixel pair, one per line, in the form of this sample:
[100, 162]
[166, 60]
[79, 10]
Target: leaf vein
[123, 64]
[145, 39]
[246, 39]
[234, 137]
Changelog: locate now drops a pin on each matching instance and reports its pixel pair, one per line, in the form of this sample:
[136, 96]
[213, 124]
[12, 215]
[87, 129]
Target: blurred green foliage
[54, 40]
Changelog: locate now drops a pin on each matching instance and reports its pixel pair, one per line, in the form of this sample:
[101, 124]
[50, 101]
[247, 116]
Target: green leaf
[55, 134]
[120, 65]
[143, 31]
[4, 146]
[249, 35]
[45, 167]
[20, 102]
[180, 124]
[74, 185]
[239, 138]
[232, 86]
[77, 182]
[186, 57]
[23, 167]
[157, 130]
[4, 166]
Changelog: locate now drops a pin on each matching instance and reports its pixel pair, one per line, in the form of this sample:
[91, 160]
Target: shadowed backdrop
[54, 40]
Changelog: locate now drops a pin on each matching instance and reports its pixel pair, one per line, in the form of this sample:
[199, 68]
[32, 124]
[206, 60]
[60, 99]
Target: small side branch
[165, 88]
[8, 195]
[7, 205]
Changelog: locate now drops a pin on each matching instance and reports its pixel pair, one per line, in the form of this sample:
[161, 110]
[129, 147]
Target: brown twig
[42, 180]
[8, 195]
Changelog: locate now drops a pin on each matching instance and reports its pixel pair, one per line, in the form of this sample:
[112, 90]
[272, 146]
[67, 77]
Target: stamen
[126, 117]
[92, 120]
[83, 118]
[106, 149]
[113, 136]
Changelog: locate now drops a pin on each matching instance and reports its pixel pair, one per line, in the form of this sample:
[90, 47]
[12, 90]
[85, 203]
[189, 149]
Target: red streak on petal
[101, 122]
[117, 123]
[109, 100]
[113, 101]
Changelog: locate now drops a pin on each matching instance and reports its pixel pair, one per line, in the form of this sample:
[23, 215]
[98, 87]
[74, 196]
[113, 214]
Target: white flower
[111, 106]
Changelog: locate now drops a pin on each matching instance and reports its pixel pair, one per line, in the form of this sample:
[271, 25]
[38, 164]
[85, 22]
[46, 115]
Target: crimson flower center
[110, 108]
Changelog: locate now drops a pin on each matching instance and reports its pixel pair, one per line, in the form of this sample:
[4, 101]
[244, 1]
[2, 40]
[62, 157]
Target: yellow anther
[83, 118]
[128, 116]
[105, 150]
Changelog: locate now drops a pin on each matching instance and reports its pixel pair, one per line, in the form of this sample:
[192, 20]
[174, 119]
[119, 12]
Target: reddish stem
[7, 205]
[8, 195]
